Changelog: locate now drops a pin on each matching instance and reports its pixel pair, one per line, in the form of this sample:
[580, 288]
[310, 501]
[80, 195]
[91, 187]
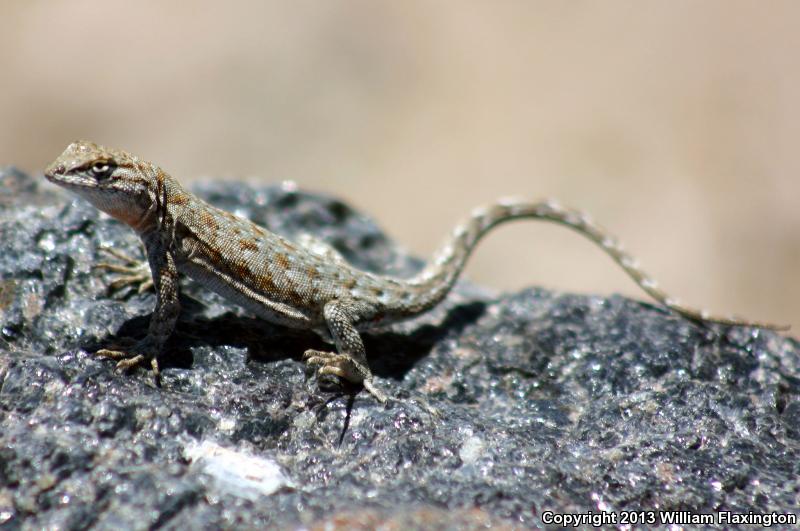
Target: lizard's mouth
[61, 178]
[52, 173]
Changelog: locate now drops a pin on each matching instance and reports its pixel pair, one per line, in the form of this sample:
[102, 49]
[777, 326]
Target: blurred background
[674, 124]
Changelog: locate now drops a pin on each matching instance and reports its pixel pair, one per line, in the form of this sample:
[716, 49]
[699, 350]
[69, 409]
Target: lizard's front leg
[162, 322]
[350, 363]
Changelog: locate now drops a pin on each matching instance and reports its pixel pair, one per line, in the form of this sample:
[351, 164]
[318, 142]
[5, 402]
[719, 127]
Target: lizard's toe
[377, 393]
[113, 354]
[317, 356]
[340, 371]
[141, 283]
[344, 367]
[128, 363]
[334, 364]
[128, 358]
[136, 273]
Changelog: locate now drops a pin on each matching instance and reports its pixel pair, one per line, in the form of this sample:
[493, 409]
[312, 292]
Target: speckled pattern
[548, 401]
[281, 281]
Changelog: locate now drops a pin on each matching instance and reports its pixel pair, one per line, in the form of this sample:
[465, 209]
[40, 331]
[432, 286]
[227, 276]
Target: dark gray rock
[548, 401]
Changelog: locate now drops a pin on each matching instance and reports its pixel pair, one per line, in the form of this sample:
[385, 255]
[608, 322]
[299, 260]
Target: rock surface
[548, 401]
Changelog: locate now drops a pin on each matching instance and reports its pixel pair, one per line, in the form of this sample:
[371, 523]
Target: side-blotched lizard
[300, 285]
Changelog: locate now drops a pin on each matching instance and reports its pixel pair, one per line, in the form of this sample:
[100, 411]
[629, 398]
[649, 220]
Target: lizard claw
[335, 364]
[344, 367]
[139, 354]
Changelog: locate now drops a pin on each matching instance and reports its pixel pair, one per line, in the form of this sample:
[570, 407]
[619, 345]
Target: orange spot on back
[282, 261]
[179, 199]
[207, 220]
[248, 245]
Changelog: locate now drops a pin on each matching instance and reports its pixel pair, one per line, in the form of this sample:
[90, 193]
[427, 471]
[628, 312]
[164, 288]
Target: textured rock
[548, 401]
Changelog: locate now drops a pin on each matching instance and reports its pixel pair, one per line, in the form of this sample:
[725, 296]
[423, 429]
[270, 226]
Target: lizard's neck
[159, 208]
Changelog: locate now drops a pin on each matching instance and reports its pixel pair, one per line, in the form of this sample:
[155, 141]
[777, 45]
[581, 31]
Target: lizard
[305, 285]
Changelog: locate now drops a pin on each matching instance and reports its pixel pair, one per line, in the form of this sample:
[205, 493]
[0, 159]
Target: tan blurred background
[673, 123]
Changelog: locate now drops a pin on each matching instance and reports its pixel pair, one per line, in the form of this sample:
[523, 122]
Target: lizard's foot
[140, 353]
[345, 367]
[135, 273]
[335, 364]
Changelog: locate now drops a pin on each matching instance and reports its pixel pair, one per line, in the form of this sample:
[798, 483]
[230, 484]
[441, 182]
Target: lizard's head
[114, 181]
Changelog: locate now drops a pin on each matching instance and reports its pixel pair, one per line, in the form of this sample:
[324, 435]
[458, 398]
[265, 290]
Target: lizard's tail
[434, 282]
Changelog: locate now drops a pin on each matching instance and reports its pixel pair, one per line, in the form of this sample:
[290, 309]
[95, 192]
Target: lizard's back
[277, 279]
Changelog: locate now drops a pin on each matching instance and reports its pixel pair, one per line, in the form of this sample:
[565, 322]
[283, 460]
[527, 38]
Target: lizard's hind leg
[135, 272]
[350, 362]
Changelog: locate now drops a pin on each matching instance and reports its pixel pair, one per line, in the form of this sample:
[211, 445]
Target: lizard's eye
[102, 169]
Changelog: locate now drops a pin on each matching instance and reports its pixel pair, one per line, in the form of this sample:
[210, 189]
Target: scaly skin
[300, 285]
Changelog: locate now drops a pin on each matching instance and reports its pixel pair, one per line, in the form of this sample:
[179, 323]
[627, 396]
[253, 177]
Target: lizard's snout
[54, 170]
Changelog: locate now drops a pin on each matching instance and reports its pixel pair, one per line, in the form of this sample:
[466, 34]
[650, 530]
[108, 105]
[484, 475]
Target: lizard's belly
[235, 291]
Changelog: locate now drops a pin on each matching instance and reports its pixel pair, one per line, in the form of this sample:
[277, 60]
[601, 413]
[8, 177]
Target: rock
[548, 402]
